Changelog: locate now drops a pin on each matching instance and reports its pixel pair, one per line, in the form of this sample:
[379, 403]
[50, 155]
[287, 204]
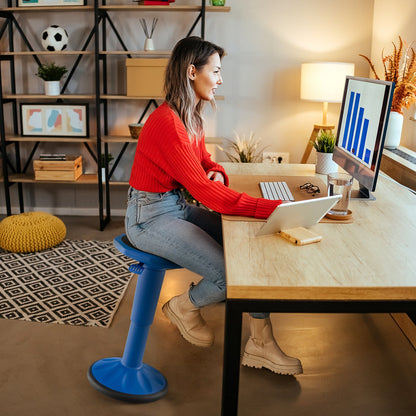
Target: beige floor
[353, 364]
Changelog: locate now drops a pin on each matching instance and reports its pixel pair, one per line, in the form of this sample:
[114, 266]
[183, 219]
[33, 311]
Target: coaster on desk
[345, 219]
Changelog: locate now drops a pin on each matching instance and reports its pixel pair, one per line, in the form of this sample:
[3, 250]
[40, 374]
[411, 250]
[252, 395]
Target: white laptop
[298, 214]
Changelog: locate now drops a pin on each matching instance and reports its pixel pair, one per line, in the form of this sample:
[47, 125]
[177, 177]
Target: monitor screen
[362, 127]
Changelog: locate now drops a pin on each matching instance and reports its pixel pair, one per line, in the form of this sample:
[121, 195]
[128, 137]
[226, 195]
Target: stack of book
[52, 156]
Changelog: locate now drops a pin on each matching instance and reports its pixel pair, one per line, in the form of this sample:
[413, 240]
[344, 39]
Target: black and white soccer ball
[54, 38]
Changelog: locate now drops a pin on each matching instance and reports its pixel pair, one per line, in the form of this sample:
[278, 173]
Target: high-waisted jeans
[165, 225]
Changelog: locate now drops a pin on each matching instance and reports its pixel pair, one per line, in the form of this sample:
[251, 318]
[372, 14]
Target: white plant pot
[394, 130]
[148, 45]
[325, 164]
[52, 87]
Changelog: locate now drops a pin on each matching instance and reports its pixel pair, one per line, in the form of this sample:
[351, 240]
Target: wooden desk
[366, 266]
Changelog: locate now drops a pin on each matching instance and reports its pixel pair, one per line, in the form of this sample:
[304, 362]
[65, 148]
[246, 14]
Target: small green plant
[325, 142]
[244, 150]
[109, 158]
[51, 72]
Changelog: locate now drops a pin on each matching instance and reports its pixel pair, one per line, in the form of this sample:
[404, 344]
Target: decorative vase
[394, 130]
[52, 87]
[325, 164]
[103, 175]
[148, 45]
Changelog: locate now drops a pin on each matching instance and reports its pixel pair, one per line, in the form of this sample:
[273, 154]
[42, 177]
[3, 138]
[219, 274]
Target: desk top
[369, 259]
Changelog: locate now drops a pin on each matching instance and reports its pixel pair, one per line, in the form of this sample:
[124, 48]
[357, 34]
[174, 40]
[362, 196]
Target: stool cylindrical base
[138, 385]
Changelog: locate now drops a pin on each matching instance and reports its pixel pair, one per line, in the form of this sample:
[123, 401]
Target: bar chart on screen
[362, 122]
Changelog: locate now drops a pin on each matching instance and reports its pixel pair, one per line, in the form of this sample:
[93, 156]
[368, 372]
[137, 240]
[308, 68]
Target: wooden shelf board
[138, 53]
[142, 8]
[118, 139]
[49, 97]
[90, 178]
[48, 8]
[86, 179]
[118, 183]
[125, 97]
[172, 8]
[30, 53]
[50, 139]
[129, 97]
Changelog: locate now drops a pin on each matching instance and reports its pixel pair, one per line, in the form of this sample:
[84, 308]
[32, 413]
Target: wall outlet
[275, 157]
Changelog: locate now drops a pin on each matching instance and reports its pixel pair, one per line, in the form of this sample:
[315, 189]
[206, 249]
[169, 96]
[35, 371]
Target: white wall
[391, 20]
[266, 42]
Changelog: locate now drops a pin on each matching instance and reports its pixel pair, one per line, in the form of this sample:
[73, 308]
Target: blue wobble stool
[128, 378]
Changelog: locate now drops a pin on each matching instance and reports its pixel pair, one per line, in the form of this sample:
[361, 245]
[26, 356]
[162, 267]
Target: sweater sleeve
[188, 170]
[209, 165]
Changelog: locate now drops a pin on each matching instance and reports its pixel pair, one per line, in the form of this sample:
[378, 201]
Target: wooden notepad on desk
[300, 236]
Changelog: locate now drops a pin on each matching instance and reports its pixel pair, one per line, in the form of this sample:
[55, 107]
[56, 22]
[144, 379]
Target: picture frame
[54, 120]
[46, 3]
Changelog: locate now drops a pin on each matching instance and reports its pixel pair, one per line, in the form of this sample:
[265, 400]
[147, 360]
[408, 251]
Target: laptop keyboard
[276, 190]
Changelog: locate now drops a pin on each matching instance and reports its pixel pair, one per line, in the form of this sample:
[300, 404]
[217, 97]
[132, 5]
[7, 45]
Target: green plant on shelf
[51, 72]
[110, 158]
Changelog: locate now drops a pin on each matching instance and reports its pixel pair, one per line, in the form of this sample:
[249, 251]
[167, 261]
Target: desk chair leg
[128, 378]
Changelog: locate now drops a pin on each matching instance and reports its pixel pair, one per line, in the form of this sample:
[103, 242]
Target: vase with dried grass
[400, 68]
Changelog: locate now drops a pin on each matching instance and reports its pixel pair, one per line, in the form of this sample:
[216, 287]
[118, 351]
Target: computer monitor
[362, 128]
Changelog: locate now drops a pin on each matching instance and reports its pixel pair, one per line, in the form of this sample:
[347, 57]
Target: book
[52, 156]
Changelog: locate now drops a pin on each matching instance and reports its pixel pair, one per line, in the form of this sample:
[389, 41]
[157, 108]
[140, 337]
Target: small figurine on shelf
[148, 44]
[52, 75]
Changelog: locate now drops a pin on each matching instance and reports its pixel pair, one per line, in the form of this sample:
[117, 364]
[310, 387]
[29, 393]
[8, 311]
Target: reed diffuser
[148, 44]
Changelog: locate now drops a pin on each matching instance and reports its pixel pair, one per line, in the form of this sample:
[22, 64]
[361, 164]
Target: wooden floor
[354, 365]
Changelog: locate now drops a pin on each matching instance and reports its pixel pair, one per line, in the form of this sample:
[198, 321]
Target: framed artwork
[31, 3]
[56, 120]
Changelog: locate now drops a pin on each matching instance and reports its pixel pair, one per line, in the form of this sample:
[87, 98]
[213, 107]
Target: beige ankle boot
[189, 321]
[262, 350]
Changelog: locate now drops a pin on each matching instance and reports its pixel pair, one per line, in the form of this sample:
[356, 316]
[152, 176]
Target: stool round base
[139, 385]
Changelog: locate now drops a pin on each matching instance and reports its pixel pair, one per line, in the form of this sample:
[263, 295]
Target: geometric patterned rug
[78, 282]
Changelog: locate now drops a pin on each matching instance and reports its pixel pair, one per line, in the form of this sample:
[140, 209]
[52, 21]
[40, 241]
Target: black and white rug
[77, 282]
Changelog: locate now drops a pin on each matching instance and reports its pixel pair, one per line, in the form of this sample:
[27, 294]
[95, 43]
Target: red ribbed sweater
[166, 159]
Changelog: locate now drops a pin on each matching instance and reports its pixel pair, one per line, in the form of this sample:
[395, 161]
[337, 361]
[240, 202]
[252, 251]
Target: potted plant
[400, 68]
[52, 75]
[244, 150]
[324, 146]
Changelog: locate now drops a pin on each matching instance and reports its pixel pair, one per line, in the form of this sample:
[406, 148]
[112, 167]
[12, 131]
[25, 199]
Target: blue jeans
[165, 225]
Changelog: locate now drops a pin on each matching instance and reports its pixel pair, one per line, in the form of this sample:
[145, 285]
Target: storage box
[145, 76]
[69, 169]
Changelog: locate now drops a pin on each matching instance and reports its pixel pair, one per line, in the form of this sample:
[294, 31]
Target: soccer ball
[54, 38]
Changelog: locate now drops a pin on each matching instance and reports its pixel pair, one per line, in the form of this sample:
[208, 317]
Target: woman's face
[207, 79]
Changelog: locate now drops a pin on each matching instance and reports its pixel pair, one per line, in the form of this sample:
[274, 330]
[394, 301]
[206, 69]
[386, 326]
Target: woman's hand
[215, 176]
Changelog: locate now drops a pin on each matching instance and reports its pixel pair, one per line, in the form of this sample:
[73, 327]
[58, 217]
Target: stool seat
[128, 378]
[124, 246]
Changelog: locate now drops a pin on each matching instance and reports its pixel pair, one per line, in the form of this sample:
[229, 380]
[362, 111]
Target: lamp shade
[324, 81]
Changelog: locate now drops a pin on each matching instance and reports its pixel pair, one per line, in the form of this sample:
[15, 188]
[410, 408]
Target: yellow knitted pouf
[31, 231]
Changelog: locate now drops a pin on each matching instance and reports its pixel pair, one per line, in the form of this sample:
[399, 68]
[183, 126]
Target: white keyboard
[276, 190]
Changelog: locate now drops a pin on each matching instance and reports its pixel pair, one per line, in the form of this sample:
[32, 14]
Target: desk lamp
[323, 82]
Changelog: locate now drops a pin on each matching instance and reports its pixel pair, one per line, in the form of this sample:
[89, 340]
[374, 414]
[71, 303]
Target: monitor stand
[362, 193]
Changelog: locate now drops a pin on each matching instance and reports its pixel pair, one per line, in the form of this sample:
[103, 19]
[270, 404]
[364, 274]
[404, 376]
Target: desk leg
[231, 360]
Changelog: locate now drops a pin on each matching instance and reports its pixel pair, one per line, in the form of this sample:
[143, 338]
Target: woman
[171, 154]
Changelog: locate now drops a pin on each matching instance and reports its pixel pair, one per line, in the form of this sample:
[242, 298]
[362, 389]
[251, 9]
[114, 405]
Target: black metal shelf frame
[102, 18]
